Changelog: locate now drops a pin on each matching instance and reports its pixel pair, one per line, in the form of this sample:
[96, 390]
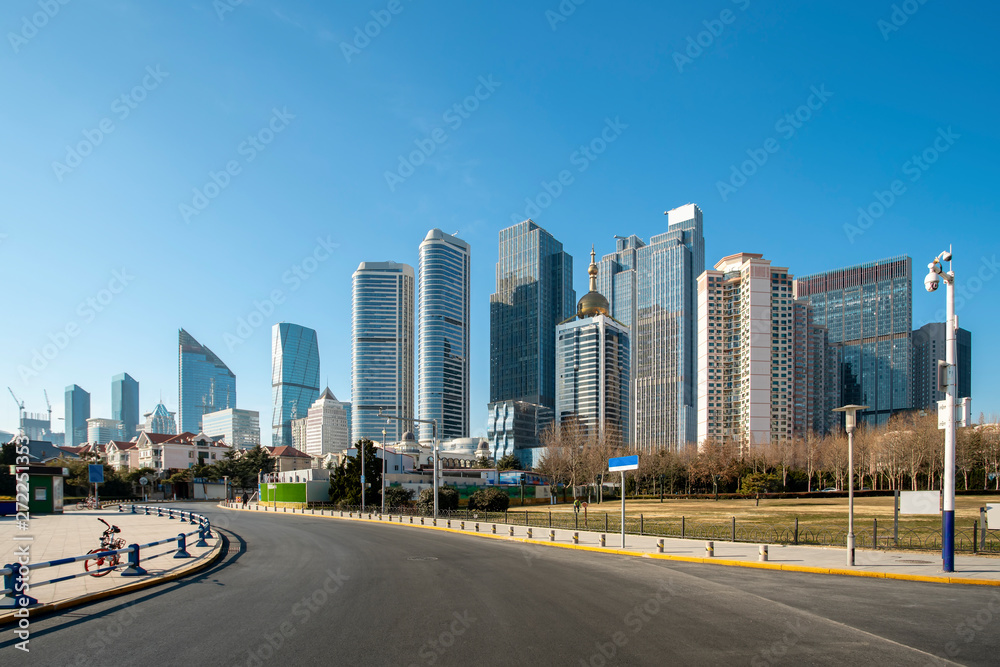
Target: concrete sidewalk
[71, 534]
[896, 564]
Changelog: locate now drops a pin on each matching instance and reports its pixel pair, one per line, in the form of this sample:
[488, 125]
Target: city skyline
[869, 165]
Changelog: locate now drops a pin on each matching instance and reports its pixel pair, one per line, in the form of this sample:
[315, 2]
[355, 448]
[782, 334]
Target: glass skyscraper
[381, 350]
[294, 377]
[443, 335]
[534, 294]
[125, 404]
[868, 309]
[77, 414]
[652, 289]
[205, 384]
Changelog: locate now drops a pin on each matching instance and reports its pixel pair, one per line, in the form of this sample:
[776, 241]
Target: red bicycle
[102, 565]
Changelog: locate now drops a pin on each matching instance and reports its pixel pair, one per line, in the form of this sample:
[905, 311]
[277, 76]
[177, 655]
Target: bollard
[494, 529]
[421, 521]
[449, 523]
[121, 508]
[529, 533]
[477, 526]
[552, 536]
[159, 511]
[170, 514]
[411, 519]
[191, 518]
[602, 539]
[133, 509]
[11, 582]
[762, 553]
[709, 549]
[576, 538]
[181, 547]
[659, 545]
[511, 531]
[434, 522]
[201, 537]
[461, 525]
[133, 569]
[147, 511]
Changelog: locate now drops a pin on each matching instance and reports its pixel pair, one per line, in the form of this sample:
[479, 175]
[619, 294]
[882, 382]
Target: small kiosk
[45, 487]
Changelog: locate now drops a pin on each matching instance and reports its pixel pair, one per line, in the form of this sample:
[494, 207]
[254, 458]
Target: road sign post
[621, 464]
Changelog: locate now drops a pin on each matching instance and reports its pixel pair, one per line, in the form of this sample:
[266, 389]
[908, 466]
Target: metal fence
[17, 577]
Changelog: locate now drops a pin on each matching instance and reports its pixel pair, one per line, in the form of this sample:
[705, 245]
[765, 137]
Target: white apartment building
[327, 429]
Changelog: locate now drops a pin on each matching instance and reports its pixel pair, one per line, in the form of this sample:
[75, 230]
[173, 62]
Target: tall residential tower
[443, 335]
[381, 349]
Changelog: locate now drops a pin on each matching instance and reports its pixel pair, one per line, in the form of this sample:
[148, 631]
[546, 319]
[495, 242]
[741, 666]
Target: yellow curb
[683, 559]
[61, 605]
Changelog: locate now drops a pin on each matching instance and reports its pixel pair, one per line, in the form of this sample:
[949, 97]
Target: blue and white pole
[948, 518]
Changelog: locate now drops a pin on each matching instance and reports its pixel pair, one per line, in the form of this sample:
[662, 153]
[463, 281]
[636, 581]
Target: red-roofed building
[289, 458]
[163, 452]
[122, 455]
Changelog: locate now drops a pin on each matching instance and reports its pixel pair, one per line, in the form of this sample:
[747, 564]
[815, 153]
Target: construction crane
[48, 403]
[20, 408]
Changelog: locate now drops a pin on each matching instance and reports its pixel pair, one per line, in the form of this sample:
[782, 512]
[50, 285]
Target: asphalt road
[297, 590]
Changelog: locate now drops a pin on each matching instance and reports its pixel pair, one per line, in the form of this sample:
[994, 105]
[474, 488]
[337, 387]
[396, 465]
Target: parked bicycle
[102, 565]
[89, 504]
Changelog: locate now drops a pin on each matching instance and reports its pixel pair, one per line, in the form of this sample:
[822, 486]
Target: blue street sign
[362, 479]
[620, 463]
[96, 473]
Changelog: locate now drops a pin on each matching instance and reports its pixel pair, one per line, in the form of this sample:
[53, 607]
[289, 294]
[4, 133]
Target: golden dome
[593, 302]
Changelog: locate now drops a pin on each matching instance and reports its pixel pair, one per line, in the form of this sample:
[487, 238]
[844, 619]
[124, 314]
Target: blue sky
[256, 137]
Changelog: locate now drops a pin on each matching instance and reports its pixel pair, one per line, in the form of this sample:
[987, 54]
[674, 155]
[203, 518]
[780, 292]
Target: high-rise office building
[761, 361]
[160, 420]
[77, 414]
[652, 289]
[238, 428]
[294, 377]
[443, 335]
[381, 349]
[534, 293]
[102, 431]
[592, 368]
[868, 310]
[205, 383]
[928, 348]
[125, 404]
[327, 428]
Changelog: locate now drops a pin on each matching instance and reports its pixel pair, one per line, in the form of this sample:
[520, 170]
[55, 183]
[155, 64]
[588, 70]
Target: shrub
[397, 496]
[490, 499]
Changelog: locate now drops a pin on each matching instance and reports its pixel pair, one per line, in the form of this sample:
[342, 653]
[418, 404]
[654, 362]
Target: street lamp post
[434, 445]
[850, 413]
[383, 470]
[935, 274]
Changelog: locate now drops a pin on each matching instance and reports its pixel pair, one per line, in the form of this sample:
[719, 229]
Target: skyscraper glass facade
[205, 383]
[381, 349]
[294, 377]
[443, 335]
[534, 294]
[125, 403]
[238, 428]
[868, 309]
[652, 288]
[929, 347]
[77, 414]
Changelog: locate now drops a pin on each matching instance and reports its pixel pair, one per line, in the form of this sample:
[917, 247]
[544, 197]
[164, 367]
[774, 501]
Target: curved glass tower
[205, 384]
[443, 335]
[294, 377]
[381, 349]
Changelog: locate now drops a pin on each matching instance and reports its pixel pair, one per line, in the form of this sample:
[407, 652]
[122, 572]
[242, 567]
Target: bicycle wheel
[98, 563]
[81, 505]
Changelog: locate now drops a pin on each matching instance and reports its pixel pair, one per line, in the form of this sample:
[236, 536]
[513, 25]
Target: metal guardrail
[16, 576]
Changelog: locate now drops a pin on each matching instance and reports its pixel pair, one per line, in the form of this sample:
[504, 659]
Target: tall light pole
[434, 445]
[383, 468]
[850, 413]
[935, 274]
